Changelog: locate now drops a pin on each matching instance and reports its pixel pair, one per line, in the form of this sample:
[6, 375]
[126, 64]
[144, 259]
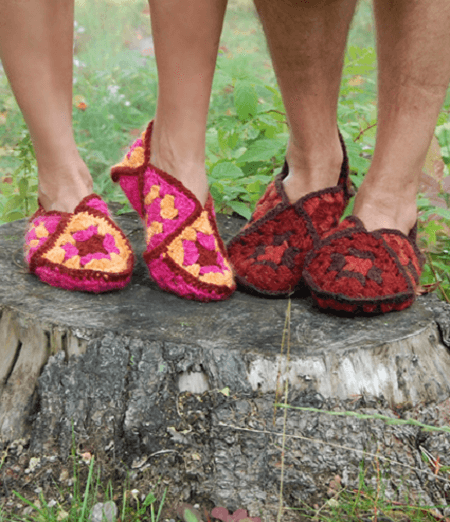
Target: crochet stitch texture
[84, 251]
[358, 271]
[268, 253]
[184, 253]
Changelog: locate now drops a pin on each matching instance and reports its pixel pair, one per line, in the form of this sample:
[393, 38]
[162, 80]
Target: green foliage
[434, 218]
[245, 99]
[18, 191]
[115, 96]
[247, 133]
[82, 502]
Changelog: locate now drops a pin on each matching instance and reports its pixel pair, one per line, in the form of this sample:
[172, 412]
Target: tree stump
[189, 387]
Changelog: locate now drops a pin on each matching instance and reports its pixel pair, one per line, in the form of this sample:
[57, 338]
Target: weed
[83, 501]
[115, 96]
[18, 191]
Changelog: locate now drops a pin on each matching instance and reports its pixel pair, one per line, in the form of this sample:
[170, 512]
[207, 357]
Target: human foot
[182, 157]
[83, 250]
[371, 262]
[312, 168]
[269, 252]
[379, 204]
[62, 187]
[354, 270]
[184, 253]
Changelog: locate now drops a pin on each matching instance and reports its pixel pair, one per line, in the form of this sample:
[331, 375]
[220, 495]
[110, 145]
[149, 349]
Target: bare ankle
[184, 163]
[384, 209]
[64, 187]
[312, 169]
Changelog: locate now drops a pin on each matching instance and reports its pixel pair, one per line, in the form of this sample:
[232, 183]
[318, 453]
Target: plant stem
[430, 262]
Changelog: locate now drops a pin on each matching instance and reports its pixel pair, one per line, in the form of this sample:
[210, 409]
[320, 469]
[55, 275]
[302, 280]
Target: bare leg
[36, 50]
[186, 36]
[307, 43]
[414, 73]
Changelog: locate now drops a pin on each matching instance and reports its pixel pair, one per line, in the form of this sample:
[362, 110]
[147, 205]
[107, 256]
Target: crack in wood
[13, 364]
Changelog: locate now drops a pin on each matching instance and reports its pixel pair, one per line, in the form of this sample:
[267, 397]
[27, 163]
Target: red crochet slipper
[268, 253]
[354, 270]
[185, 254]
[84, 250]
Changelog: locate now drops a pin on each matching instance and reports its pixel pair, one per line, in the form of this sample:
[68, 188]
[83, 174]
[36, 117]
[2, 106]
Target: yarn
[84, 250]
[184, 253]
[354, 270]
[268, 253]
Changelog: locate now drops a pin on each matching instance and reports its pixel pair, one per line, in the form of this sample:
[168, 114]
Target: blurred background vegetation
[115, 90]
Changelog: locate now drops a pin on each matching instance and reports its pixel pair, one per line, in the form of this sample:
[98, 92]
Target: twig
[377, 497]
[275, 110]
[278, 112]
[161, 452]
[286, 333]
[365, 130]
[434, 462]
[398, 505]
[374, 416]
[430, 262]
[339, 446]
[278, 385]
[19, 265]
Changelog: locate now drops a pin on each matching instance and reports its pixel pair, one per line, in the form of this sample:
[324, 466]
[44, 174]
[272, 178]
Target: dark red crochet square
[355, 270]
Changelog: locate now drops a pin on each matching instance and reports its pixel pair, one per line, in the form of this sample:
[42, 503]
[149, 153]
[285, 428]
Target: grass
[133, 506]
[115, 96]
[365, 502]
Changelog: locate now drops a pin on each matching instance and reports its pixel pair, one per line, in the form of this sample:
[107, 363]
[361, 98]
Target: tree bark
[146, 373]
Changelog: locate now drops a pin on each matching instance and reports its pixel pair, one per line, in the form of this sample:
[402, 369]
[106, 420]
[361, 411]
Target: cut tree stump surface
[142, 373]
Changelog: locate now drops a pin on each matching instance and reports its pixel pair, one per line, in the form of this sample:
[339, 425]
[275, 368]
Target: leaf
[443, 212]
[188, 513]
[149, 499]
[7, 188]
[222, 138]
[245, 99]
[241, 209]
[431, 230]
[14, 215]
[262, 150]
[23, 187]
[225, 391]
[239, 514]
[13, 203]
[221, 513]
[226, 169]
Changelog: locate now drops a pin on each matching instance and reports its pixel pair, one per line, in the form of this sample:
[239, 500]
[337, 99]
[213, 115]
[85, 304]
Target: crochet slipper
[354, 270]
[268, 253]
[184, 254]
[84, 251]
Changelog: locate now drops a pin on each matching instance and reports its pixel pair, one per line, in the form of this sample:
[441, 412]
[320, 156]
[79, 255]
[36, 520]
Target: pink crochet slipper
[358, 271]
[83, 251]
[268, 253]
[185, 254]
